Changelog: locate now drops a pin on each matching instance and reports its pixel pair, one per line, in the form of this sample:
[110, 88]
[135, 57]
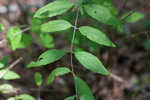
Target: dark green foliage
[102, 11]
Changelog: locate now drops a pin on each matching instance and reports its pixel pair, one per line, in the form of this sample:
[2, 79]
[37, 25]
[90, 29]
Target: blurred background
[129, 62]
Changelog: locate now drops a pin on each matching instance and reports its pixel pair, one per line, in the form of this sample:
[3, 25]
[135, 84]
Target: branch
[71, 48]
[134, 10]
[117, 78]
[10, 67]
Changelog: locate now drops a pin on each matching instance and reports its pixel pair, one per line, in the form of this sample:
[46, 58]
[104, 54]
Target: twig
[117, 78]
[134, 10]
[71, 48]
[129, 14]
[39, 94]
[10, 67]
[26, 29]
[3, 42]
[13, 90]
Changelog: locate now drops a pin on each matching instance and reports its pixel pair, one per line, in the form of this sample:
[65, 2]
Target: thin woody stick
[117, 78]
[10, 67]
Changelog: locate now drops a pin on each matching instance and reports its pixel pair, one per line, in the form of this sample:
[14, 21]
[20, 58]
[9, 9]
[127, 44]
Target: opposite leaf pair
[88, 60]
[56, 72]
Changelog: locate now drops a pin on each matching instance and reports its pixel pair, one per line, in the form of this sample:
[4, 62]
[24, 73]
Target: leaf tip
[113, 45]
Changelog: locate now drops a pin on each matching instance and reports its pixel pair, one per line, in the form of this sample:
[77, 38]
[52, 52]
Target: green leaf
[57, 72]
[101, 14]
[2, 65]
[83, 90]
[70, 98]
[55, 25]
[146, 45]
[81, 11]
[14, 36]
[96, 35]
[148, 77]
[46, 40]
[91, 62]
[6, 88]
[80, 2]
[36, 25]
[25, 41]
[53, 9]
[11, 98]
[38, 78]
[10, 75]
[17, 39]
[134, 17]
[25, 97]
[79, 39]
[120, 29]
[108, 4]
[2, 27]
[93, 47]
[47, 57]
[4, 61]
[22, 97]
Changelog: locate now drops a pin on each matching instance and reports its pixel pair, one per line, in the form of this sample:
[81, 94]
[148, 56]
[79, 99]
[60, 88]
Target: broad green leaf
[69, 16]
[2, 27]
[55, 25]
[80, 1]
[47, 57]
[108, 4]
[146, 45]
[91, 62]
[22, 97]
[101, 14]
[46, 40]
[54, 8]
[36, 25]
[120, 29]
[70, 98]
[25, 41]
[96, 35]
[86, 1]
[17, 39]
[6, 88]
[14, 36]
[81, 10]
[38, 78]
[93, 47]
[79, 39]
[148, 77]
[132, 17]
[2, 65]
[57, 72]
[10, 75]
[25, 97]
[4, 61]
[11, 98]
[83, 90]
